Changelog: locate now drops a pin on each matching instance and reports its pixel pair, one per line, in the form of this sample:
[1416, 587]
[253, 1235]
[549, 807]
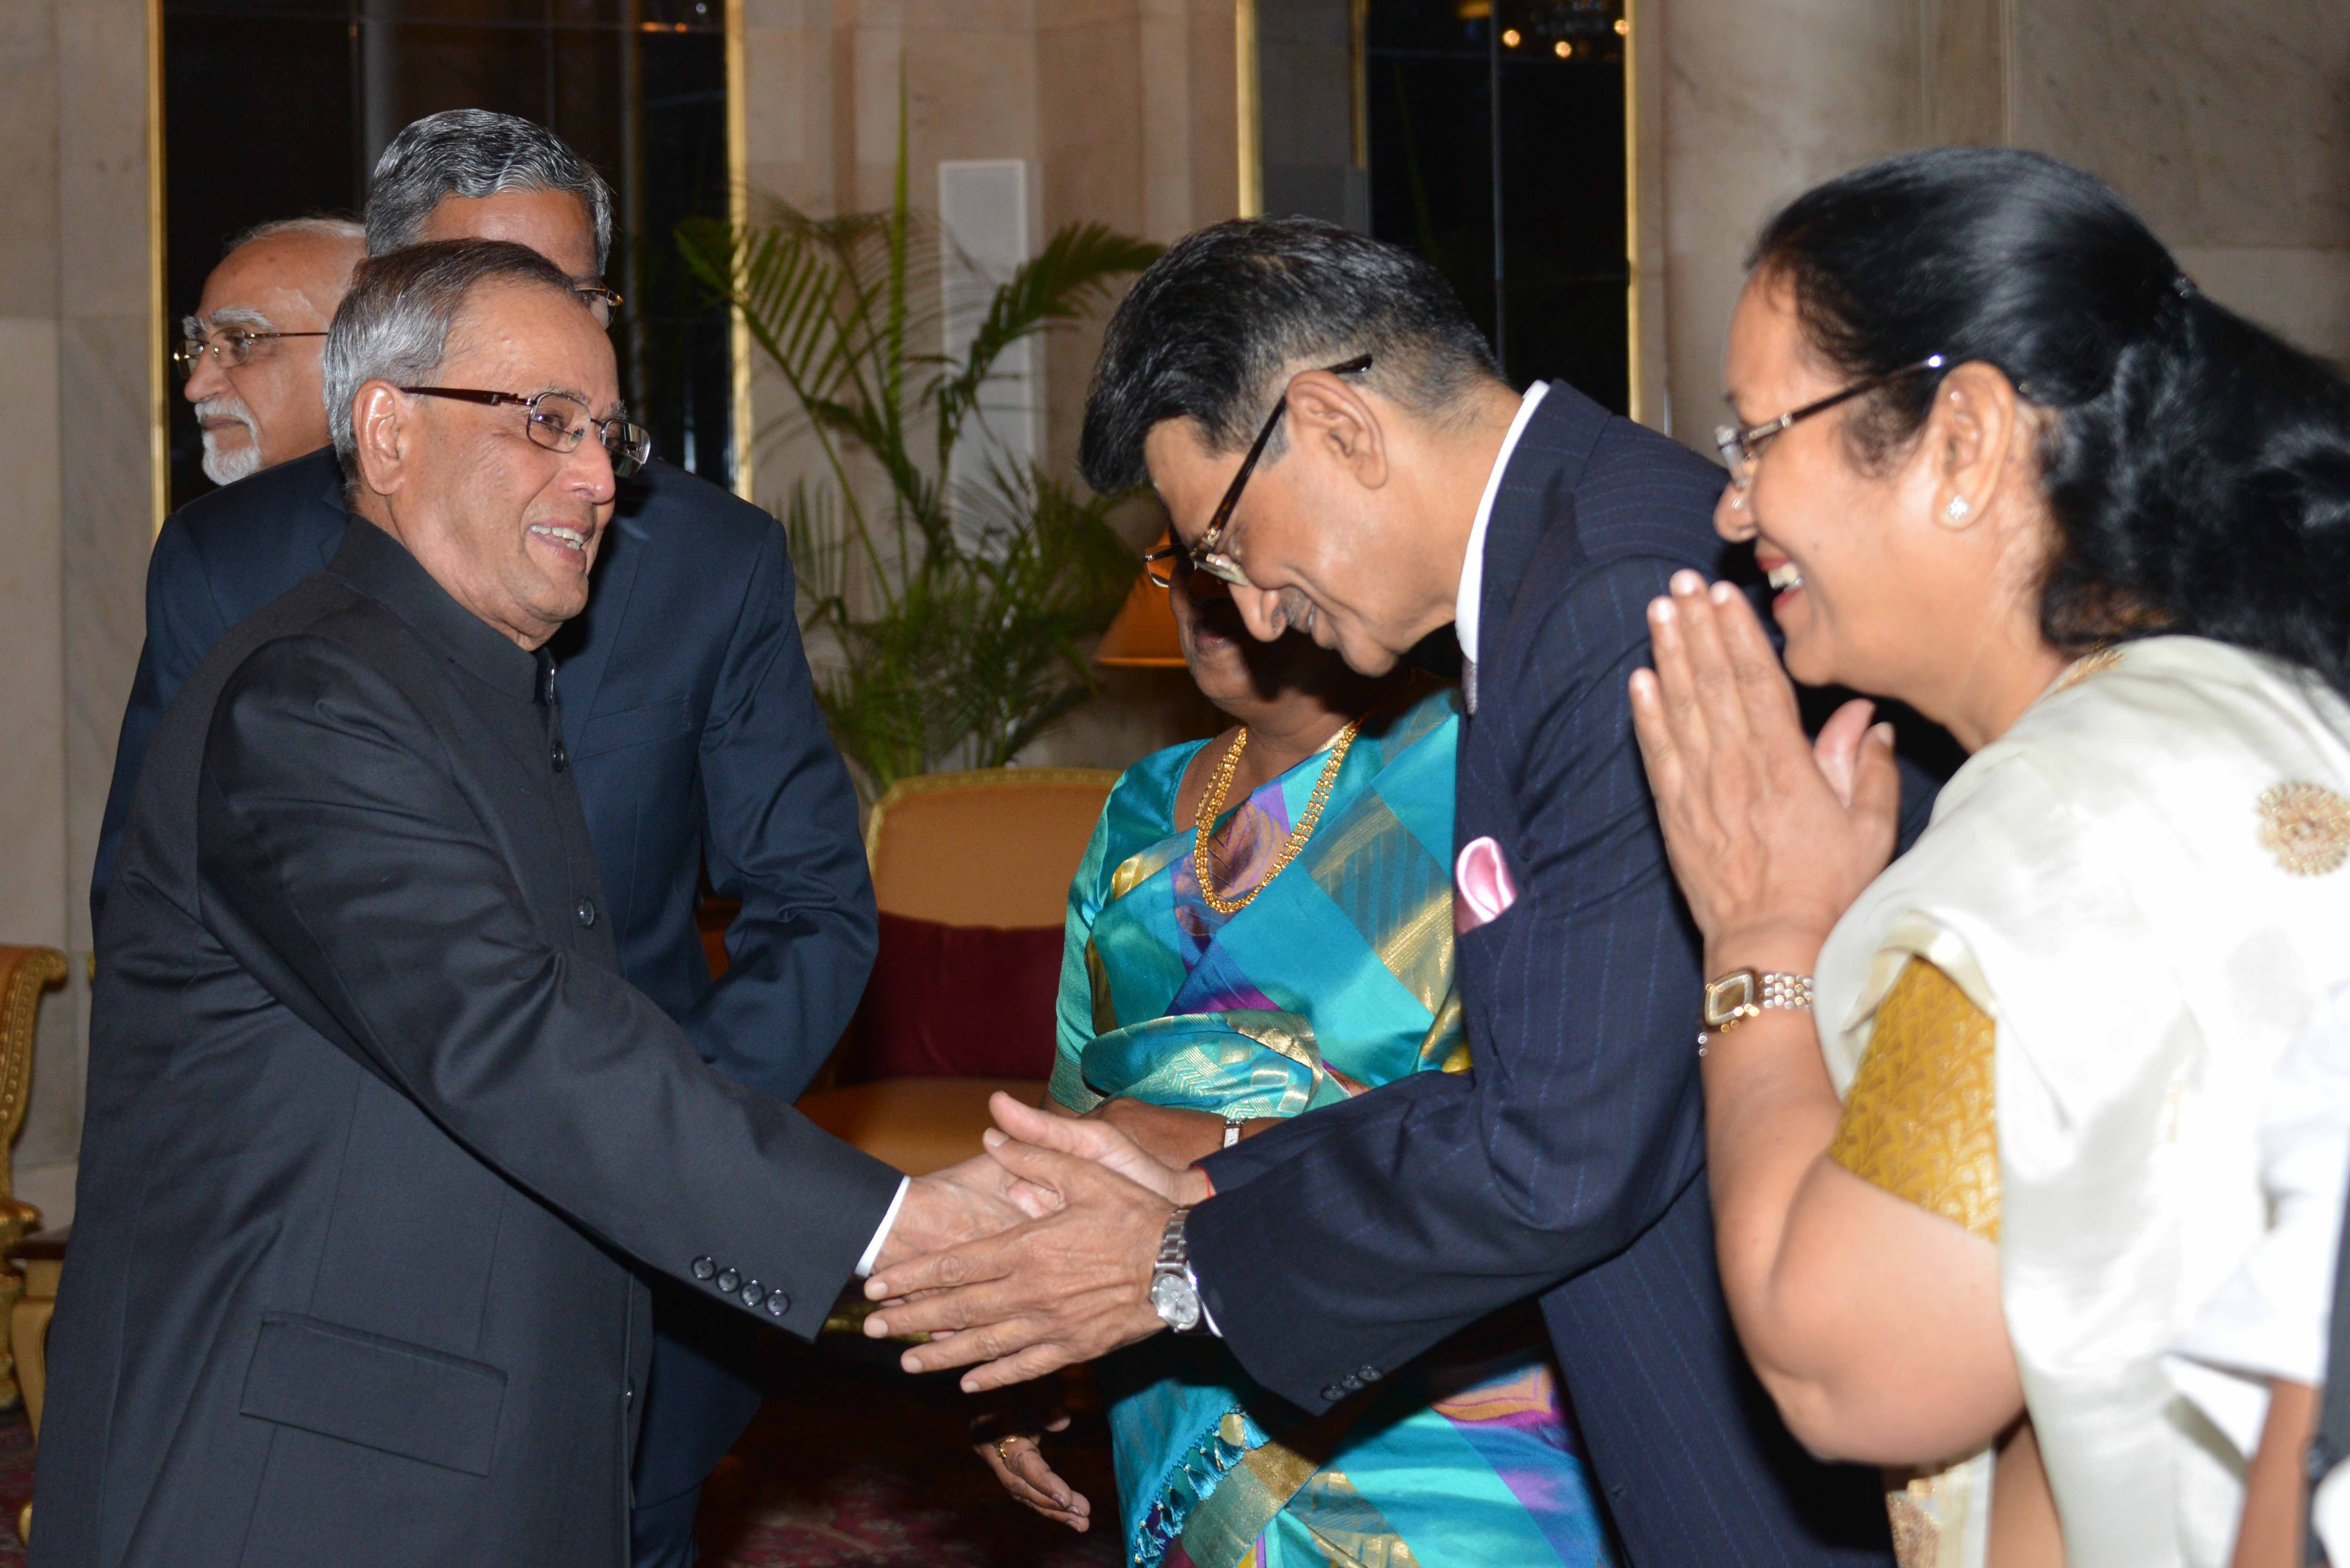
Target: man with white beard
[250, 351]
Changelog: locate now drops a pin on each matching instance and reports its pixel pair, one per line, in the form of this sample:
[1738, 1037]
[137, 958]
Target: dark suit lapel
[1537, 489]
[583, 649]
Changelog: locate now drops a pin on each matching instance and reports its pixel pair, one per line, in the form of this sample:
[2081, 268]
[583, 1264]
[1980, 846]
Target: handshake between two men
[1036, 1254]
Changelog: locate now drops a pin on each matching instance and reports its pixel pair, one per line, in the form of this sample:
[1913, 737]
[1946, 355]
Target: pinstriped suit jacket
[1569, 1164]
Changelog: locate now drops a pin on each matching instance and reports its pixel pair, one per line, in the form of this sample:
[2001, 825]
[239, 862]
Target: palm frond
[1073, 273]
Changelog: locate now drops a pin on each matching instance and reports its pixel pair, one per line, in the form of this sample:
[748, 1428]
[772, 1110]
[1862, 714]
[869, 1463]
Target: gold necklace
[1212, 806]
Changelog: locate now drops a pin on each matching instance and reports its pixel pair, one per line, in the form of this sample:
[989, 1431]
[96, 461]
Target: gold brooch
[2306, 826]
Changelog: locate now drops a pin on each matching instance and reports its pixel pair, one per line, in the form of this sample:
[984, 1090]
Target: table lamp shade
[1143, 635]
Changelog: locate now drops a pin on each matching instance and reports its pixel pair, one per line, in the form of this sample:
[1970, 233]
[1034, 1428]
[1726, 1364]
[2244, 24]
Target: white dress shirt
[882, 1233]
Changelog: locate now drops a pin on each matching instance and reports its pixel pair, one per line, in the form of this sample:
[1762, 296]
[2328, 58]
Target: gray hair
[393, 326]
[474, 153]
[341, 229]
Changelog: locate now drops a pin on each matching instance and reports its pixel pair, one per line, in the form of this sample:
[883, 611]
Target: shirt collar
[379, 567]
[1473, 568]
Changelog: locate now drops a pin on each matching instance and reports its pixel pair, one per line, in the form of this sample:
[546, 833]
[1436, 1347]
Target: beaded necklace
[1212, 806]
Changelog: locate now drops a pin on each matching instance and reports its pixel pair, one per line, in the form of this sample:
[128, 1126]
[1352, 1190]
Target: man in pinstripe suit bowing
[1332, 437]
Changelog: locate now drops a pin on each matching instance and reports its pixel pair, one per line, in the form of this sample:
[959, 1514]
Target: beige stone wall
[2227, 124]
[77, 358]
[1123, 106]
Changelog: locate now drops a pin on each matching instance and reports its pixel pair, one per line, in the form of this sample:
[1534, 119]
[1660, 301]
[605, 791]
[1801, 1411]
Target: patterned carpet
[851, 1465]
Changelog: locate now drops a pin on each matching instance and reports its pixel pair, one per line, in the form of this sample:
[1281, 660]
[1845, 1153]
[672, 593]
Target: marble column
[77, 359]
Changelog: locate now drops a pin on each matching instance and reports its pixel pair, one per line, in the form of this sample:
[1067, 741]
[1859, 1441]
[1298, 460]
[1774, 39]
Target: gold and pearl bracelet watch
[1733, 998]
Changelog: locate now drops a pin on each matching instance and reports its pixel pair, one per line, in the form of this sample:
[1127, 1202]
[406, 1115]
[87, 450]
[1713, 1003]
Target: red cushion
[956, 1002]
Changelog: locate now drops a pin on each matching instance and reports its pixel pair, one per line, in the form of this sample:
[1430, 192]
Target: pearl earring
[1959, 510]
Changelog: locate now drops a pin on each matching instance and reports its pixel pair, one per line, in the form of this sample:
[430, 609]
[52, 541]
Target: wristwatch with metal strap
[1173, 1296]
[1733, 998]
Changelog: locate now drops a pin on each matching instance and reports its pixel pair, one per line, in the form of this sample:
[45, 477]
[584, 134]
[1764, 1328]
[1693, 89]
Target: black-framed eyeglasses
[1205, 554]
[230, 350]
[1742, 447]
[559, 421]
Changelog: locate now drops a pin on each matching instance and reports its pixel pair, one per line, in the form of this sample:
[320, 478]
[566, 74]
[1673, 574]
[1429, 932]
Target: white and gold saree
[2122, 911]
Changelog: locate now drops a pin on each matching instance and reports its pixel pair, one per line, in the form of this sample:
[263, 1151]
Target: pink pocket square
[1481, 888]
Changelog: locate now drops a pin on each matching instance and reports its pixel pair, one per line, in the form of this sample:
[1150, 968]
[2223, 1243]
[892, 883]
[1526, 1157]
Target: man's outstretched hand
[978, 1198]
[1065, 1287]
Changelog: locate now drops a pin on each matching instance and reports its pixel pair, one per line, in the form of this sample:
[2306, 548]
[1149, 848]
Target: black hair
[2198, 467]
[1210, 331]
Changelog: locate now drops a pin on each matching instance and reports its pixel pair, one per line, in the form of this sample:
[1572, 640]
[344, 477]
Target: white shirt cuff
[882, 1233]
[1205, 1315]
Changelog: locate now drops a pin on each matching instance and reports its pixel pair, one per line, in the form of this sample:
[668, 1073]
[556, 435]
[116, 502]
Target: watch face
[1729, 998]
[1175, 1302]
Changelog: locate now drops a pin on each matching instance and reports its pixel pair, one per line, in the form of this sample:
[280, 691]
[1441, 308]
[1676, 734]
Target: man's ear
[1972, 435]
[379, 427]
[1328, 414]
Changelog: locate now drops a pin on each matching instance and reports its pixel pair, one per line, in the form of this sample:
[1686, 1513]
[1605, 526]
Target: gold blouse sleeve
[1921, 1118]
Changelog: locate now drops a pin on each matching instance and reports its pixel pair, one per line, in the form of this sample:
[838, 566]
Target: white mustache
[228, 467]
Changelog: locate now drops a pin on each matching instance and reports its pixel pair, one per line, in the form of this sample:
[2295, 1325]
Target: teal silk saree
[1338, 978]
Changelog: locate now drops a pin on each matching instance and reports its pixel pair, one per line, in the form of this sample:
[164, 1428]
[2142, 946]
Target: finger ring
[1002, 1443]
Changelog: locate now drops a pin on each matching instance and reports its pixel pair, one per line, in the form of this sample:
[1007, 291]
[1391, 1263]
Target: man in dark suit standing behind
[1331, 436]
[378, 1136]
[694, 737]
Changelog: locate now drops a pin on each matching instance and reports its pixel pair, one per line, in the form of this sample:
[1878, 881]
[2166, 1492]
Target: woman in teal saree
[1300, 954]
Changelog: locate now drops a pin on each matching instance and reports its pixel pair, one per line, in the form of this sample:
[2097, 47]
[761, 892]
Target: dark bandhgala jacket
[1569, 1162]
[375, 1126]
[695, 742]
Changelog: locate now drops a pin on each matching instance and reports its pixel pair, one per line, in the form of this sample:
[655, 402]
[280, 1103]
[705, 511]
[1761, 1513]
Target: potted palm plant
[943, 609]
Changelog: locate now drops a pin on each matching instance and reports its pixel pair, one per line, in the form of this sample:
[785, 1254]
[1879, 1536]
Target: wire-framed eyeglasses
[1742, 447]
[559, 421]
[230, 350]
[1208, 554]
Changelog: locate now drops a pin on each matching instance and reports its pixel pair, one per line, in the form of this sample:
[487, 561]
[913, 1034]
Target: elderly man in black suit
[695, 739]
[1333, 439]
[378, 1136]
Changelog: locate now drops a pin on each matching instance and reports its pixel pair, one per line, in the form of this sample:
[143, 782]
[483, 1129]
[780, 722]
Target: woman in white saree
[1982, 1123]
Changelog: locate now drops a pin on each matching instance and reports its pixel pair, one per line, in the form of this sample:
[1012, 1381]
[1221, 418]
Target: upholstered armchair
[25, 974]
[971, 872]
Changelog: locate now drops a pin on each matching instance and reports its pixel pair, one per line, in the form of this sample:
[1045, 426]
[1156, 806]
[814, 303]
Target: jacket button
[703, 1268]
[778, 1304]
[1334, 1393]
[752, 1292]
[727, 1280]
[587, 913]
[560, 758]
[1369, 1375]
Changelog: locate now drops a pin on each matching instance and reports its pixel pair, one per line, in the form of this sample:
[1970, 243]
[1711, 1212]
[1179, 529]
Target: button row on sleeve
[750, 1292]
[1353, 1383]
